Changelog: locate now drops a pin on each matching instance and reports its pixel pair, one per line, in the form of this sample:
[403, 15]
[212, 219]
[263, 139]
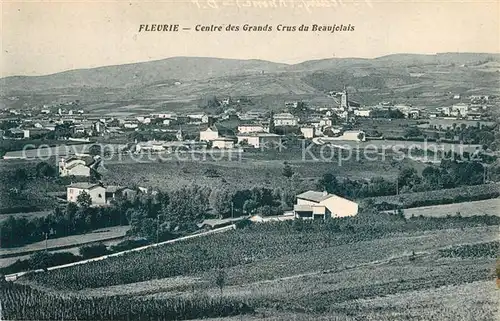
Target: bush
[93, 250]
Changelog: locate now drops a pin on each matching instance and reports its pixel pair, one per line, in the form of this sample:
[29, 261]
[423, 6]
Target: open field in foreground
[465, 302]
[284, 274]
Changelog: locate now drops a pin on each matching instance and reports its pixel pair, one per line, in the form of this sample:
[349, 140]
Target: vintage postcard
[250, 160]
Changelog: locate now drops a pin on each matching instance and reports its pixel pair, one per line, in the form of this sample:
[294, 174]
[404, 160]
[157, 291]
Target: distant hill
[412, 78]
[143, 73]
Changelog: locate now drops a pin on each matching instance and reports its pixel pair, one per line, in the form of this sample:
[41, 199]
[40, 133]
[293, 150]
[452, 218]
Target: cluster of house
[255, 135]
[100, 195]
[462, 111]
[78, 127]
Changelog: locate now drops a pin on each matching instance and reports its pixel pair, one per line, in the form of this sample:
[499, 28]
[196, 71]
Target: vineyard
[237, 248]
[21, 302]
[490, 249]
[283, 269]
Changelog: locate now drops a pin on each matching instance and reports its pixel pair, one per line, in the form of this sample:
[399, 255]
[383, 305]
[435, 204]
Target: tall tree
[84, 200]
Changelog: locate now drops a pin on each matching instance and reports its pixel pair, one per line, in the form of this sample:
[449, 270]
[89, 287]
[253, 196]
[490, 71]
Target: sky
[43, 37]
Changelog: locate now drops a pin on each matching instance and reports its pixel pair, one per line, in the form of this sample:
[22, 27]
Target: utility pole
[158, 228]
[232, 209]
[46, 239]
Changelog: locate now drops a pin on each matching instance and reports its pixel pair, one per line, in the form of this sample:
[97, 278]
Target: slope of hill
[426, 80]
[142, 73]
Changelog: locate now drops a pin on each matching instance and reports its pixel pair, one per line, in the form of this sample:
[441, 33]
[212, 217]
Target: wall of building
[340, 207]
[209, 135]
[97, 195]
[223, 144]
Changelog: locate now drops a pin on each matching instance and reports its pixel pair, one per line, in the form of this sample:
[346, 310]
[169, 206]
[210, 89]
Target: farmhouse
[258, 140]
[77, 166]
[96, 191]
[321, 205]
[209, 134]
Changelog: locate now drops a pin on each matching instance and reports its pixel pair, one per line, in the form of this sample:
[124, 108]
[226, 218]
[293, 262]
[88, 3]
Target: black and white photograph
[233, 160]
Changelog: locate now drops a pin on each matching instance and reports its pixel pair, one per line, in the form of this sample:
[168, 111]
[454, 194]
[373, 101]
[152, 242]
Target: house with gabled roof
[77, 166]
[209, 134]
[322, 205]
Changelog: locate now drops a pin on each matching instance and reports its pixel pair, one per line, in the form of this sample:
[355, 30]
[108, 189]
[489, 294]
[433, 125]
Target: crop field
[252, 169]
[486, 207]
[282, 274]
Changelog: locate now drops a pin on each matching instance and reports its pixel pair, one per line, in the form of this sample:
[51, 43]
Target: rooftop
[114, 188]
[84, 185]
[263, 134]
[314, 196]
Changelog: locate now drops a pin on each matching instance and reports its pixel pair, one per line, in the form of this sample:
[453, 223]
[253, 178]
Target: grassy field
[68, 241]
[251, 169]
[3, 217]
[486, 207]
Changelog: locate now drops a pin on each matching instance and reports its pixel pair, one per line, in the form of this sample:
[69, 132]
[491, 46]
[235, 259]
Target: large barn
[321, 205]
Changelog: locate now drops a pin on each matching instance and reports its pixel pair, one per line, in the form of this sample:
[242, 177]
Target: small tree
[43, 169]
[84, 200]
[93, 250]
[20, 176]
[95, 150]
[220, 280]
[287, 170]
[272, 128]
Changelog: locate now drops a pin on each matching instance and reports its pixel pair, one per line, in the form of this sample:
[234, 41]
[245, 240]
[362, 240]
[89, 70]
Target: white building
[325, 121]
[168, 115]
[285, 119]
[97, 192]
[223, 143]
[74, 166]
[356, 135]
[251, 128]
[321, 205]
[460, 110]
[209, 134]
[258, 140]
[362, 112]
[308, 132]
[130, 125]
